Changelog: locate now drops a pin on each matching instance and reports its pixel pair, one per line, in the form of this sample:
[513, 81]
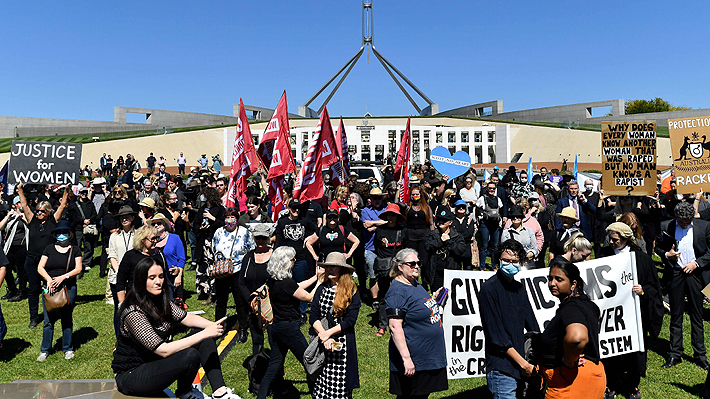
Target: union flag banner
[321, 154]
[340, 170]
[404, 163]
[276, 196]
[275, 147]
[244, 162]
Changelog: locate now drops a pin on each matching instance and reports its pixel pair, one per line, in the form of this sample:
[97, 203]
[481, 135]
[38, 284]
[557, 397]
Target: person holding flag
[244, 162]
[340, 170]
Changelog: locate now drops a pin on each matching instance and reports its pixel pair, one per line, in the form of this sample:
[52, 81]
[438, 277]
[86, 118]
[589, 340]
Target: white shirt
[685, 245]
[624, 250]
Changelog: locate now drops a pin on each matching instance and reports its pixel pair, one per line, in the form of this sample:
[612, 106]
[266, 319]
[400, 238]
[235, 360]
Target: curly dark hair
[212, 196]
[512, 246]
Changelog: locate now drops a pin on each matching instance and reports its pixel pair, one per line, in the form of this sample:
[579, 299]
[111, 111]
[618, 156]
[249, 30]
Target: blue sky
[79, 59]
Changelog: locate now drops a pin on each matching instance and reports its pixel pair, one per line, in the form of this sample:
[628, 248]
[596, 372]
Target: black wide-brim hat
[61, 226]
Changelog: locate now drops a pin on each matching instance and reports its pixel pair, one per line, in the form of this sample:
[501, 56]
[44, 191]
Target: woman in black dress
[419, 223]
[331, 238]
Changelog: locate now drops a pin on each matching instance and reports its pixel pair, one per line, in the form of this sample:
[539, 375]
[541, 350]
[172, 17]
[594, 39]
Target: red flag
[341, 169]
[321, 154]
[275, 146]
[276, 196]
[244, 162]
[404, 163]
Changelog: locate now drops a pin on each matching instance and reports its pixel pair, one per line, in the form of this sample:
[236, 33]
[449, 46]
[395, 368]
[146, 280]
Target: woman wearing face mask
[625, 371]
[231, 242]
[576, 249]
[144, 242]
[419, 223]
[568, 351]
[59, 265]
[173, 253]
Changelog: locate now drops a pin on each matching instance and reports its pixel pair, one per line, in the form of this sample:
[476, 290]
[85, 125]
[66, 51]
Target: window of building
[464, 137]
[415, 134]
[452, 137]
[452, 149]
[439, 137]
[492, 154]
[426, 134]
[392, 141]
[365, 136]
[293, 140]
[465, 149]
[478, 156]
[352, 150]
[255, 137]
[491, 137]
[379, 153]
[365, 154]
[478, 137]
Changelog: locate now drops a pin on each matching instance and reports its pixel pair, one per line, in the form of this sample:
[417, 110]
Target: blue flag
[3, 175]
[530, 170]
[486, 174]
[574, 171]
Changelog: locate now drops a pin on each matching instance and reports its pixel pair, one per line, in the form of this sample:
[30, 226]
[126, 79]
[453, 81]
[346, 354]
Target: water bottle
[205, 221]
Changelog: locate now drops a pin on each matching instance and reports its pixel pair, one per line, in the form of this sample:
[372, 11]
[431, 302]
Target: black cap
[332, 212]
[443, 213]
[516, 211]
[435, 182]
[294, 203]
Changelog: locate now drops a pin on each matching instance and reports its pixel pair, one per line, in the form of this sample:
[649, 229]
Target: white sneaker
[110, 302]
[42, 356]
[227, 395]
[194, 394]
[68, 355]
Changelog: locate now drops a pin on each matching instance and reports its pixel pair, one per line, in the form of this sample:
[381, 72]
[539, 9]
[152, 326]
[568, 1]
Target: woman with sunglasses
[144, 242]
[624, 372]
[59, 265]
[40, 225]
[253, 275]
[415, 323]
[119, 242]
[170, 247]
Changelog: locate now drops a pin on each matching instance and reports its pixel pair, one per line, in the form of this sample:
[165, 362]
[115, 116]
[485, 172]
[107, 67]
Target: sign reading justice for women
[629, 157]
[607, 281]
[691, 153]
[43, 162]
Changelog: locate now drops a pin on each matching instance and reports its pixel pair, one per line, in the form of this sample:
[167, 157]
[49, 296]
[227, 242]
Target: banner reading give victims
[608, 282]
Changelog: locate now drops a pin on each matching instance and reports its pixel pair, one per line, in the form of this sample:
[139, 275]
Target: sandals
[381, 332]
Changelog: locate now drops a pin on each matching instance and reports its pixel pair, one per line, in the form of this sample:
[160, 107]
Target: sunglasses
[154, 239]
[41, 211]
[124, 217]
[413, 264]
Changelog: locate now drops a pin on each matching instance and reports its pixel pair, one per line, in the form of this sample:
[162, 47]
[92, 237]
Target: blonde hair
[449, 191]
[578, 242]
[141, 234]
[342, 189]
[46, 206]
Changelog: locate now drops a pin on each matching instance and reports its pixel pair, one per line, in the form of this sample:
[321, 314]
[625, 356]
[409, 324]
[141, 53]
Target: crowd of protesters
[152, 228]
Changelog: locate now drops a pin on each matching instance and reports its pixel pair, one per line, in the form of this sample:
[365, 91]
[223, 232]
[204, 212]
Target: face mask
[62, 237]
[203, 198]
[173, 205]
[588, 188]
[509, 269]
[230, 223]
[416, 197]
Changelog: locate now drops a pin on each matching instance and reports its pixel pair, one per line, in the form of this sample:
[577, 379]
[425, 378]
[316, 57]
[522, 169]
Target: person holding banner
[625, 371]
[40, 225]
[568, 349]
[505, 314]
[415, 323]
[685, 251]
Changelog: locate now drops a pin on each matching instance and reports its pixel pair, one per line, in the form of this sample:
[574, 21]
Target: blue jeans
[490, 235]
[300, 273]
[3, 326]
[370, 263]
[502, 386]
[283, 336]
[65, 313]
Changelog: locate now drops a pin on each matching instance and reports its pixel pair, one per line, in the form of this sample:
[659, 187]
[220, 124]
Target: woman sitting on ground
[146, 361]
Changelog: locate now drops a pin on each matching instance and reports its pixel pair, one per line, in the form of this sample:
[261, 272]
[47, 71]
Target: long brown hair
[629, 219]
[423, 204]
[344, 293]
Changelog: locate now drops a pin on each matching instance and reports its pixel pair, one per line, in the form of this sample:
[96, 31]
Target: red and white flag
[244, 162]
[340, 170]
[321, 154]
[404, 163]
[276, 196]
[275, 146]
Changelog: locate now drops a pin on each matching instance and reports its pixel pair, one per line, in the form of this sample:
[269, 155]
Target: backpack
[491, 215]
[256, 366]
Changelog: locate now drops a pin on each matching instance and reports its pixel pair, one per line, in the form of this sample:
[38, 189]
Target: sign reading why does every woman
[43, 162]
[690, 147]
[607, 281]
[629, 157]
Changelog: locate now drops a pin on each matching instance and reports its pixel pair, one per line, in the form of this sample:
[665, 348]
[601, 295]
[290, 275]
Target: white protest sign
[608, 282]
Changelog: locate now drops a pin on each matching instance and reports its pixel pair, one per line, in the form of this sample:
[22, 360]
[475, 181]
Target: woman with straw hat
[337, 301]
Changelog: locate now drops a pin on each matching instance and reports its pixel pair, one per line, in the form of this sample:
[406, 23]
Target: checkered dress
[331, 381]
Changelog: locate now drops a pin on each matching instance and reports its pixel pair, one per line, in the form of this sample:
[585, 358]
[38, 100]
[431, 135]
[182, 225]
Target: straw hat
[159, 217]
[569, 212]
[147, 202]
[336, 259]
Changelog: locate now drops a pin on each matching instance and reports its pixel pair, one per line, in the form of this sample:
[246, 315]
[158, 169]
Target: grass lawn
[94, 341]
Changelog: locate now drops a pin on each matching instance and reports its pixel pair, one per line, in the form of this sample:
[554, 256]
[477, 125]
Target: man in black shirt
[82, 214]
[505, 313]
[292, 231]
[150, 161]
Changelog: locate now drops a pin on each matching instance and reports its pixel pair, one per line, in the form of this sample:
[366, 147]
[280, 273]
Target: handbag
[314, 355]
[90, 229]
[222, 266]
[262, 306]
[59, 298]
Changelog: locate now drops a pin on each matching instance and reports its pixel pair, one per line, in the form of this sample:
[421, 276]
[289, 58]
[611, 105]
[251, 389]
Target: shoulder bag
[59, 298]
[90, 229]
[314, 355]
[262, 306]
[223, 266]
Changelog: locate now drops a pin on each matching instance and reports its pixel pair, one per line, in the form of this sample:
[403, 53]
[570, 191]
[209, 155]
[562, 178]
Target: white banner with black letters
[608, 281]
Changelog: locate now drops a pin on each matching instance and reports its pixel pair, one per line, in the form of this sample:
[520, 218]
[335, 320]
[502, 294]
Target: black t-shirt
[57, 261]
[150, 160]
[573, 310]
[293, 234]
[332, 240]
[315, 212]
[285, 306]
[40, 235]
[417, 220]
[393, 240]
[124, 277]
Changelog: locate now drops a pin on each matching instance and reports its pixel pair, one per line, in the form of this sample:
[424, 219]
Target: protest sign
[450, 165]
[691, 161]
[629, 158]
[43, 162]
[608, 282]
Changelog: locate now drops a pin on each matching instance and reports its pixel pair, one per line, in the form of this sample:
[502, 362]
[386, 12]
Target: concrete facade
[163, 117]
[8, 124]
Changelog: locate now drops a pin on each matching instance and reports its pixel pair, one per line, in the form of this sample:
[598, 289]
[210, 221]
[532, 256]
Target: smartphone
[442, 296]
[338, 346]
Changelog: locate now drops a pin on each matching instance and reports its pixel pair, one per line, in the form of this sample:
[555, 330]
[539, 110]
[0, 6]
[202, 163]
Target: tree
[644, 106]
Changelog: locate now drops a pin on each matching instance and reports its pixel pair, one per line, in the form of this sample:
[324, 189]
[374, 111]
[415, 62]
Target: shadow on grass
[661, 346]
[480, 392]
[12, 347]
[89, 298]
[79, 337]
[696, 390]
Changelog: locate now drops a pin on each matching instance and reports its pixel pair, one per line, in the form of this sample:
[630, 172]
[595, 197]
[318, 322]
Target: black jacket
[444, 254]
[701, 244]
[74, 215]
